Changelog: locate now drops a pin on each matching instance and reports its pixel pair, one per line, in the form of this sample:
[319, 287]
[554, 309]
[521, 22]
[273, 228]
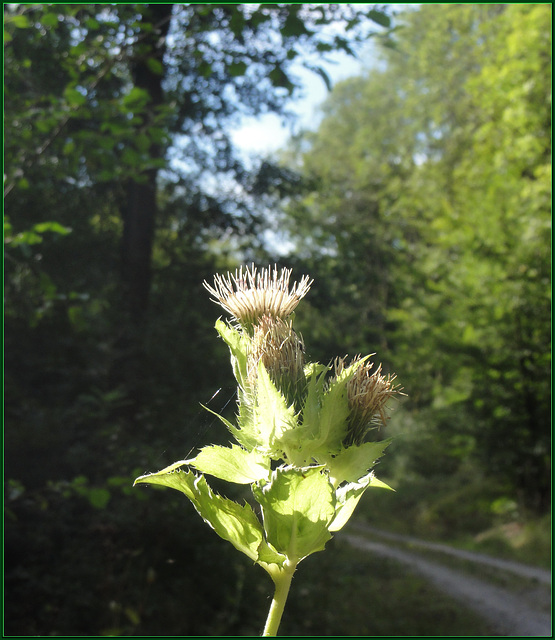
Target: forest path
[512, 613]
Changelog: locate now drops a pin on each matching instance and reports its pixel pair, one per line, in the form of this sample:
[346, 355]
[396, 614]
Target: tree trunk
[139, 210]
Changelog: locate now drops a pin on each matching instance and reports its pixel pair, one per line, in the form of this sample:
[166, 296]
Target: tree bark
[139, 209]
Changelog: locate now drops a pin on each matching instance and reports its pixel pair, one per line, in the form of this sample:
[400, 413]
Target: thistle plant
[300, 430]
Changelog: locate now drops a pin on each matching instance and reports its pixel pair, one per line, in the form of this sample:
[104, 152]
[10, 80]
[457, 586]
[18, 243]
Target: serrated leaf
[332, 417]
[352, 463]
[233, 522]
[347, 499]
[244, 437]
[238, 344]
[374, 482]
[268, 555]
[315, 374]
[297, 506]
[272, 417]
[233, 464]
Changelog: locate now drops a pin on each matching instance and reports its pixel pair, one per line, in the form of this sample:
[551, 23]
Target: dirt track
[510, 614]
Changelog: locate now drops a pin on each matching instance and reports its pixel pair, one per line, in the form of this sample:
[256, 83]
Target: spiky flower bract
[249, 294]
[368, 394]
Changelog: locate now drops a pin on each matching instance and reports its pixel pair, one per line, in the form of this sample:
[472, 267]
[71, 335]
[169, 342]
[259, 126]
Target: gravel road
[509, 613]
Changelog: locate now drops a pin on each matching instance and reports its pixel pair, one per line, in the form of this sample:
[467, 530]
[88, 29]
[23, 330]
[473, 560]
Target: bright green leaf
[349, 495]
[20, 21]
[238, 344]
[233, 522]
[298, 506]
[347, 499]
[49, 20]
[352, 463]
[54, 227]
[233, 464]
[272, 418]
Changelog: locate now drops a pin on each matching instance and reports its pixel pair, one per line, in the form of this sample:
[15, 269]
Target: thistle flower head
[367, 394]
[281, 351]
[248, 294]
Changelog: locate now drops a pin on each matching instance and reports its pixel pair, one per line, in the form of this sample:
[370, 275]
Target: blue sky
[265, 134]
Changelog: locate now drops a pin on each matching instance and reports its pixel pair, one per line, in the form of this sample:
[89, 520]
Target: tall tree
[146, 64]
[132, 76]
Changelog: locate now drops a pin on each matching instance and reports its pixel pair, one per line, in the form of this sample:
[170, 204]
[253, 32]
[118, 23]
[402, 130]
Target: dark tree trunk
[139, 210]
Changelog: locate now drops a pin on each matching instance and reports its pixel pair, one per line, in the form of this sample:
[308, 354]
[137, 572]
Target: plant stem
[283, 582]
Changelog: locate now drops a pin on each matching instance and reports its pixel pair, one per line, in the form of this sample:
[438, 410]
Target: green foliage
[84, 389]
[298, 506]
[233, 464]
[426, 213]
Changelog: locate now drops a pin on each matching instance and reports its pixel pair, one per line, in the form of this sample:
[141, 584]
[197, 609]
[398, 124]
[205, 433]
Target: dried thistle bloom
[281, 351]
[368, 395]
[248, 295]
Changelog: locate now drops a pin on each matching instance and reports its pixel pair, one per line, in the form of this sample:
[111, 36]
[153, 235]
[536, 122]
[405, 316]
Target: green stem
[283, 582]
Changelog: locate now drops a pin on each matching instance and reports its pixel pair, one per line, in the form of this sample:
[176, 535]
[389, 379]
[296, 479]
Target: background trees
[427, 202]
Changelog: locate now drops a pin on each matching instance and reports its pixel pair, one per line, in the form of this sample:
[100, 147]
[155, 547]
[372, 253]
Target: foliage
[428, 239]
[101, 108]
[427, 209]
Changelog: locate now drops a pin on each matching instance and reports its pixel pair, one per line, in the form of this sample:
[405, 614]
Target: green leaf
[297, 506]
[238, 344]
[233, 522]
[74, 98]
[294, 27]
[244, 437]
[237, 69]
[272, 418]
[155, 66]
[280, 79]
[347, 499]
[92, 24]
[355, 461]
[267, 555]
[379, 18]
[20, 21]
[332, 417]
[374, 482]
[348, 496]
[98, 497]
[49, 20]
[136, 99]
[335, 411]
[54, 227]
[315, 373]
[233, 464]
